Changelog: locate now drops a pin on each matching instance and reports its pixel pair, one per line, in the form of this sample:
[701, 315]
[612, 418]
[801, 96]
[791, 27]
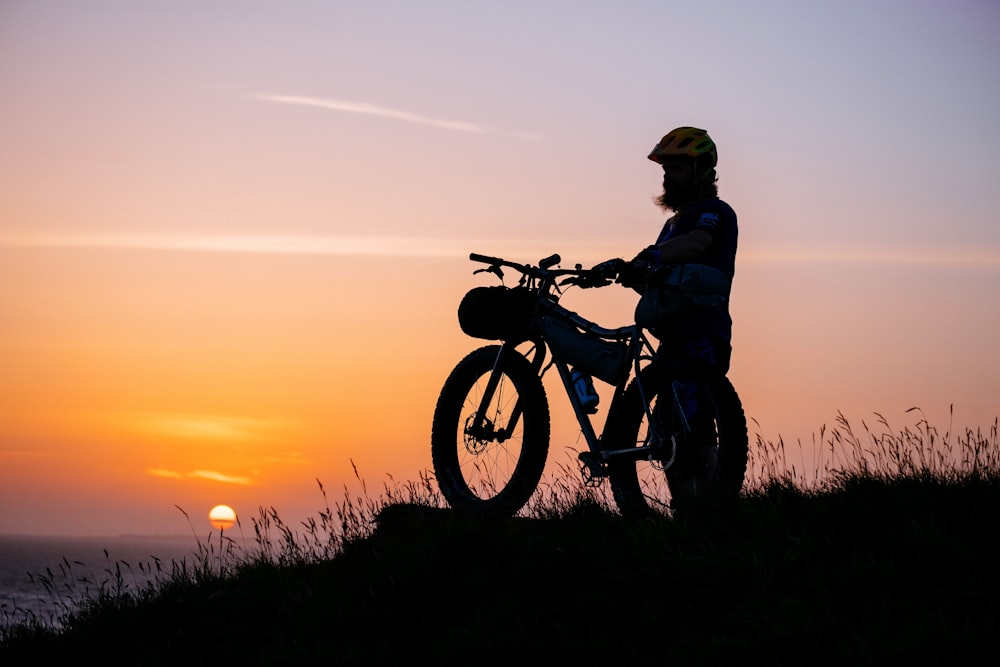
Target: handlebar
[576, 276]
[485, 259]
[543, 264]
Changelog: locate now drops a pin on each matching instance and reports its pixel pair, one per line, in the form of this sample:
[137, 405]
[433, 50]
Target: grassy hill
[894, 565]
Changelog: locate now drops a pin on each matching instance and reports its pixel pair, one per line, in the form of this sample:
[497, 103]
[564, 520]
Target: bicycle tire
[709, 462]
[481, 475]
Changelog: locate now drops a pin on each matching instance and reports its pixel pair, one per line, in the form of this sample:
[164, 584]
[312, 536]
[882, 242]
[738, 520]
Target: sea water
[45, 576]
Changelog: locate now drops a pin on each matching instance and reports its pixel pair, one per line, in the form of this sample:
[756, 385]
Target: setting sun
[222, 517]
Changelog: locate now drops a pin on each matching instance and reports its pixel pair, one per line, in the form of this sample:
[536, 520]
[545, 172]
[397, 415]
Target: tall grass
[916, 451]
[834, 457]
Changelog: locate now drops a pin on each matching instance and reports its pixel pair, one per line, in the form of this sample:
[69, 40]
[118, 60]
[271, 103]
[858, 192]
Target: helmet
[686, 142]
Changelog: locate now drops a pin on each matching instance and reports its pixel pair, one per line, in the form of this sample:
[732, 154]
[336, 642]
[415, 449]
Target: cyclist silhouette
[700, 235]
[675, 434]
[703, 230]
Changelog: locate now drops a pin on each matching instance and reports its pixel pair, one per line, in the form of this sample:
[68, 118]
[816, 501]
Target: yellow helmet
[686, 142]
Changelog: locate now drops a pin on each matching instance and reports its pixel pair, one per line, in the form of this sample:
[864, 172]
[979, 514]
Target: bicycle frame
[673, 434]
[637, 343]
[639, 352]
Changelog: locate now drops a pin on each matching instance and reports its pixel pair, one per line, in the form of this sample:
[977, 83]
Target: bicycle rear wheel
[490, 467]
[697, 440]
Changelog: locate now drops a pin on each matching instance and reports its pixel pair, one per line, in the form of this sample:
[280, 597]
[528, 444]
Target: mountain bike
[674, 434]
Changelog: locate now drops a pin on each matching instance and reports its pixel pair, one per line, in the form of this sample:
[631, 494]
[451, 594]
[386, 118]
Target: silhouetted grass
[880, 552]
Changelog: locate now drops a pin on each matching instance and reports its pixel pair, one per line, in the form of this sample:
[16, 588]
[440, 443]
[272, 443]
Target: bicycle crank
[592, 469]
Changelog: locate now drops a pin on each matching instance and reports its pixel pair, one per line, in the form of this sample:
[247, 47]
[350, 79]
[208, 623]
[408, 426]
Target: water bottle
[584, 386]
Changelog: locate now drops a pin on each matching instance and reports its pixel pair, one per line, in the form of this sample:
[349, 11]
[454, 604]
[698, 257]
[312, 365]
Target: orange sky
[231, 251]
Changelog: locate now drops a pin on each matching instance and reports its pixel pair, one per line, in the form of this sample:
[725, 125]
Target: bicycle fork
[482, 428]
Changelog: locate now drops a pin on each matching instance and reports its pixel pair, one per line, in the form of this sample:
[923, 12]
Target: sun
[222, 517]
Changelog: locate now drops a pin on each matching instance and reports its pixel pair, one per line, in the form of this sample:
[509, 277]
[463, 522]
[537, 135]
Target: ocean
[47, 576]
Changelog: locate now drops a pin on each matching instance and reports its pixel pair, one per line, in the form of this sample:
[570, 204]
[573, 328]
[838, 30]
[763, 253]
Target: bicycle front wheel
[490, 462]
[694, 440]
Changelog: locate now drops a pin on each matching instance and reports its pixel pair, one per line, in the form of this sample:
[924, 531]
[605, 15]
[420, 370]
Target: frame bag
[604, 359]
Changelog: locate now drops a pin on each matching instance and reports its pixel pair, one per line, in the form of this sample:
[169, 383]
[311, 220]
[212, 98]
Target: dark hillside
[871, 572]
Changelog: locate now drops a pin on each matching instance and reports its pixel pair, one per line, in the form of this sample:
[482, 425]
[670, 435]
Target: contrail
[375, 110]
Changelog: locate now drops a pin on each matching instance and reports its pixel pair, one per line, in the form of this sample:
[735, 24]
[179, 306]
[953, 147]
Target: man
[703, 231]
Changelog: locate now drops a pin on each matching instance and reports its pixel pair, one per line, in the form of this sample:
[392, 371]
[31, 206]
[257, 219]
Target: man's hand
[599, 275]
[634, 275]
[609, 268]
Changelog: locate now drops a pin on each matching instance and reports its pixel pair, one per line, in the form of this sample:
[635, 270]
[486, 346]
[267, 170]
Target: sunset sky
[233, 234]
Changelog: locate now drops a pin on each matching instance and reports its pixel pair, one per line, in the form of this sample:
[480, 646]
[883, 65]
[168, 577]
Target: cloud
[381, 246]
[163, 472]
[218, 428]
[220, 477]
[984, 257]
[583, 250]
[368, 109]
[210, 475]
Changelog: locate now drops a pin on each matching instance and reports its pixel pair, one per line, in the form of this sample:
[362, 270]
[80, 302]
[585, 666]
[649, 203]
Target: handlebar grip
[486, 259]
[552, 260]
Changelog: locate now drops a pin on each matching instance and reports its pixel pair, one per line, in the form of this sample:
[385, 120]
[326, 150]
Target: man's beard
[673, 198]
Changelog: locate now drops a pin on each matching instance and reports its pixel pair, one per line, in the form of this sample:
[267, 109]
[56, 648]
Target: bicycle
[675, 432]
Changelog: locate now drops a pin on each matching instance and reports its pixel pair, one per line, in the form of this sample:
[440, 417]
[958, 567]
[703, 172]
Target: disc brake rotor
[477, 438]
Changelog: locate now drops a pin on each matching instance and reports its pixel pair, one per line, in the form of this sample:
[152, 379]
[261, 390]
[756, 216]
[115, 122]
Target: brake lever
[492, 268]
[575, 279]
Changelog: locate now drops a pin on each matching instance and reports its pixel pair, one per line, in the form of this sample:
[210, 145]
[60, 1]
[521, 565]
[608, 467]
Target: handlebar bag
[497, 312]
[679, 290]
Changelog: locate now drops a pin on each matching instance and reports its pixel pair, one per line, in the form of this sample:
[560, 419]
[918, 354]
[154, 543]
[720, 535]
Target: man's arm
[685, 247]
